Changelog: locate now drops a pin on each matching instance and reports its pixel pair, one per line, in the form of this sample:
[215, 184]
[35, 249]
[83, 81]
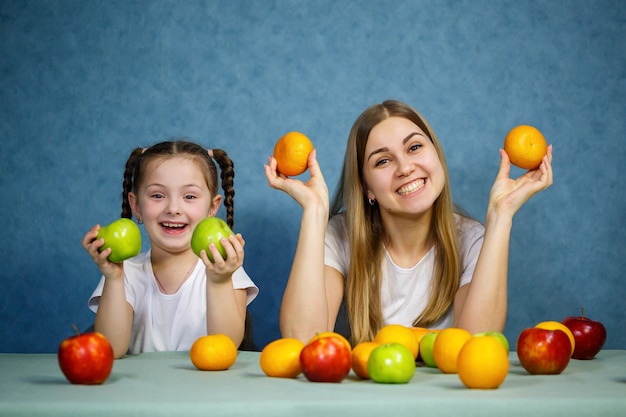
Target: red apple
[589, 335]
[86, 358]
[326, 359]
[542, 351]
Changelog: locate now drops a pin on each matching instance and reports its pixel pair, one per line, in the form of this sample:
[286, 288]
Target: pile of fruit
[481, 360]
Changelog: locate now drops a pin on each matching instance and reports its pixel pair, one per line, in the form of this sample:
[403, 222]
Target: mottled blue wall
[83, 82]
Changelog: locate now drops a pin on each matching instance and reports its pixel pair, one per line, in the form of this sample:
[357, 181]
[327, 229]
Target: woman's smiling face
[401, 168]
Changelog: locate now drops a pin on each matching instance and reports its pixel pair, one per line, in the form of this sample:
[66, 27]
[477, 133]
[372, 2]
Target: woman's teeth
[412, 187]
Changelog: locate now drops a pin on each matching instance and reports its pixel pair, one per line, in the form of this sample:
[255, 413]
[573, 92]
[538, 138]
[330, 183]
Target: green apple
[210, 230]
[391, 363]
[426, 349]
[123, 237]
[501, 338]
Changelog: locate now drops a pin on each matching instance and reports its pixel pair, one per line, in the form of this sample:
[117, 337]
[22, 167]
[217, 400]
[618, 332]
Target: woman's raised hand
[508, 195]
[312, 192]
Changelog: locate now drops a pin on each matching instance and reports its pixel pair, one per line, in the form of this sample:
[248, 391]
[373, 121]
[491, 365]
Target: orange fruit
[215, 352]
[360, 356]
[483, 363]
[281, 358]
[447, 346]
[397, 333]
[525, 146]
[419, 332]
[555, 325]
[291, 153]
[332, 334]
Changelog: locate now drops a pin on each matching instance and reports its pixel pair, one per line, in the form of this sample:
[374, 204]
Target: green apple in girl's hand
[123, 237]
[210, 230]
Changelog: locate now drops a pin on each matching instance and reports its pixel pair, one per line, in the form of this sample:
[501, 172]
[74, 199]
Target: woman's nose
[405, 166]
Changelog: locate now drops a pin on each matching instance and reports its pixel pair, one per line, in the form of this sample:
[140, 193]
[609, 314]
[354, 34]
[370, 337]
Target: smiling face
[401, 168]
[171, 200]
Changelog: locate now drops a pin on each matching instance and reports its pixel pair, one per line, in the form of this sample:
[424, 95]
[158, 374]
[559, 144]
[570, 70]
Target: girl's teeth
[414, 186]
[173, 225]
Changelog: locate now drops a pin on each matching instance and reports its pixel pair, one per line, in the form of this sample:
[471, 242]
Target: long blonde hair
[365, 231]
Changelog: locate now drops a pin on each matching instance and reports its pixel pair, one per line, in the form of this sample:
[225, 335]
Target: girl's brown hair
[140, 157]
[366, 233]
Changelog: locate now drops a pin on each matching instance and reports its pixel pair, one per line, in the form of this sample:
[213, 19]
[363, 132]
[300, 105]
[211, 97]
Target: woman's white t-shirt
[404, 291]
[167, 322]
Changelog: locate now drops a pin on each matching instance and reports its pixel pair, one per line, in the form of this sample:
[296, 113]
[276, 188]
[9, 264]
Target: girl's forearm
[115, 316]
[226, 310]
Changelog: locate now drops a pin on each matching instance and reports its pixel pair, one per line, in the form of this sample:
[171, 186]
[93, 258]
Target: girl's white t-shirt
[167, 322]
[404, 291]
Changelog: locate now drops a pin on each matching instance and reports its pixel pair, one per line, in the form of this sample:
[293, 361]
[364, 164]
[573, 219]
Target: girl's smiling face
[401, 168]
[171, 200]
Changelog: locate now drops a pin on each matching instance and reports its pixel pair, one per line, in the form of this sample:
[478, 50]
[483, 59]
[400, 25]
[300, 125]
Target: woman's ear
[215, 205]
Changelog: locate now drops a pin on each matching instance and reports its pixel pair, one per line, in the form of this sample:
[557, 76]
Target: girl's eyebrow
[384, 149]
[184, 186]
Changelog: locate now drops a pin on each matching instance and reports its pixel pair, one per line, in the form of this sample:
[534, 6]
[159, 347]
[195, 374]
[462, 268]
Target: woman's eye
[415, 147]
[380, 162]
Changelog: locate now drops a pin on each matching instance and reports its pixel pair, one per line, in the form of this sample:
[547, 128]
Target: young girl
[167, 297]
[394, 248]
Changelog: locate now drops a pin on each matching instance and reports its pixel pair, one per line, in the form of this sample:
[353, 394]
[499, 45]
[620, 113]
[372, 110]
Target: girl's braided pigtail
[128, 185]
[227, 168]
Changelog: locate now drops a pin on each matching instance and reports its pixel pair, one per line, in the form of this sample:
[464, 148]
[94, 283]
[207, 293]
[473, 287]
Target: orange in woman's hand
[281, 358]
[525, 146]
[291, 153]
[215, 352]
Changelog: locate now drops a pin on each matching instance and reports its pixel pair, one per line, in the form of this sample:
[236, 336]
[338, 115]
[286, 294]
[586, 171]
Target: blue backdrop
[82, 83]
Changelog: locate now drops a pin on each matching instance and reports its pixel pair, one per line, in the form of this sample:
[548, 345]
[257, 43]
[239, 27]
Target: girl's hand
[222, 269]
[508, 195]
[312, 192]
[91, 245]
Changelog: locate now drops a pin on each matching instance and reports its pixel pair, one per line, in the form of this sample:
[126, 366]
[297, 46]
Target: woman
[392, 244]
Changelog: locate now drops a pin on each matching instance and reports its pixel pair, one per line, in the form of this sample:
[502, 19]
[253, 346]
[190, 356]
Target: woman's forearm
[304, 309]
[485, 304]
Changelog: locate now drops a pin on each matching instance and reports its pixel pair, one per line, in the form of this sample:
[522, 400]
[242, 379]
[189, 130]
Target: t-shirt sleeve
[134, 288]
[471, 241]
[241, 281]
[336, 246]
[95, 296]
